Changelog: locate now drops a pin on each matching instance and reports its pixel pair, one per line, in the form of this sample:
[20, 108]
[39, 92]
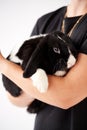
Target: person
[66, 97]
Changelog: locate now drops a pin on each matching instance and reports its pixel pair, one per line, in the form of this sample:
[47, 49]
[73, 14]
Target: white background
[17, 18]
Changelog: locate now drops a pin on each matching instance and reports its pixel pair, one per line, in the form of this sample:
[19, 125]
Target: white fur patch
[71, 61]
[15, 59]
[40, 80]
[13, 56]
[60, 73]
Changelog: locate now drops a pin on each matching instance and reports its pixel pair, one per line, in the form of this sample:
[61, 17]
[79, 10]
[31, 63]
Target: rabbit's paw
[40, 80]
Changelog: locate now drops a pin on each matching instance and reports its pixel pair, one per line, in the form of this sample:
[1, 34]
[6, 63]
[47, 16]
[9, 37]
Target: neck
[76, 8]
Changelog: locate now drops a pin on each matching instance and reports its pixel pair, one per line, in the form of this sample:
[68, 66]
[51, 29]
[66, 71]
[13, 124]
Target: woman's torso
[54, 118]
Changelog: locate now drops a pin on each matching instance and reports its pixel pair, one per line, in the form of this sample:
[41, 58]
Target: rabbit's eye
[56, 50]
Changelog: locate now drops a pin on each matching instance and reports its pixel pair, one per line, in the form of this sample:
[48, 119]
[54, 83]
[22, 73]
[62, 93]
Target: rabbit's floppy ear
[36, 58]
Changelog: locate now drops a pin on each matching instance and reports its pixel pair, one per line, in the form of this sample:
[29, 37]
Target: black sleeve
[41, 24]
[83, 48]
[49, 22]
[35, 30]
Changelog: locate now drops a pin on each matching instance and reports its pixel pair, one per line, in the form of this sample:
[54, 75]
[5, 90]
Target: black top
[54, 118]
[69, 23]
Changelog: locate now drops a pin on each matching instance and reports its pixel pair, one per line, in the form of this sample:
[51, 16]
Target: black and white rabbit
[52, 53]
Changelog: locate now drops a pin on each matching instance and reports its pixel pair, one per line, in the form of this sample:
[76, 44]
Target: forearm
[22, 100]
[15, 74]
[62, 91]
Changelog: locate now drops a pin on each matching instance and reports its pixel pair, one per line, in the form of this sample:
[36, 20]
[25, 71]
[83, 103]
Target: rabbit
[52, 53]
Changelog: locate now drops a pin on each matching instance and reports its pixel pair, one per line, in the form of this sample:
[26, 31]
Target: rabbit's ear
[36, 58]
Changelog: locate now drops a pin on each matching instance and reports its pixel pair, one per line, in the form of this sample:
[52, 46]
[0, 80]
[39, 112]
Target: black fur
[42, 52]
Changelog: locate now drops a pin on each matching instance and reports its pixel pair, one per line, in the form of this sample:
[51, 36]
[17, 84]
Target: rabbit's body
[52, 53]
